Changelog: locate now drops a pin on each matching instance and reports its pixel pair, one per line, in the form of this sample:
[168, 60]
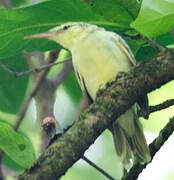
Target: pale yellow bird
[98, 55]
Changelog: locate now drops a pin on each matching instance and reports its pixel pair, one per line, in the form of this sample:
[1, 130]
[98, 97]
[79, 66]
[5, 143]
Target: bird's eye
[65, 27]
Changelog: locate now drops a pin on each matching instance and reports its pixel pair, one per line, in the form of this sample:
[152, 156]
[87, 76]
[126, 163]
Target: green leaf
[165, 39]
[17, 23]
[8, 162]
[72, 88]
[118, 11]
[12, 90]
[16, 3]
[155, 17]
[16, 146]
[41, 45]
[146, 53]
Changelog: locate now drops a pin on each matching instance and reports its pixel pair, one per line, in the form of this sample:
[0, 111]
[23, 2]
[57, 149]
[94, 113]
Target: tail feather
[122, 146]
[139, 141]
[129, 139]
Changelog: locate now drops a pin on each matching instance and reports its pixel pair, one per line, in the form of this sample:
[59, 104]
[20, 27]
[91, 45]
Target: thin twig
[150, 41]
[155, 44]
[42, 75]
[98, 168]
[132, 36]
[154, 148]
[159, 107]
[17, 74]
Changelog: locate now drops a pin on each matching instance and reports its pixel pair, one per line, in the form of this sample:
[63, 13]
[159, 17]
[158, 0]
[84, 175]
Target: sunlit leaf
[155, 17]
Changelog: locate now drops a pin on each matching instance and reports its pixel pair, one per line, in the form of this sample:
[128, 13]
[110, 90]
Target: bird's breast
[98, 60]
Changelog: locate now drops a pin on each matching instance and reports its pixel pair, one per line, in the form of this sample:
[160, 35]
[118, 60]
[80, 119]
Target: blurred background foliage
[153, 19]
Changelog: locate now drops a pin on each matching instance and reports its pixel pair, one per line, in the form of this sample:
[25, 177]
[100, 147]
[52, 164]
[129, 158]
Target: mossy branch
[108, 106]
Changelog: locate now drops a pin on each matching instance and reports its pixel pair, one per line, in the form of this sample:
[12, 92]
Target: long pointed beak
[41, 35]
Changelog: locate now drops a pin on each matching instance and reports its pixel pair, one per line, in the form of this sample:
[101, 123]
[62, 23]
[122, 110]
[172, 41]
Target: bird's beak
[41, 35]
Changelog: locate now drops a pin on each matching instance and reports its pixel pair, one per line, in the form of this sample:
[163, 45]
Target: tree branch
[150, 41]
[134, 37]
[42, 75]
[159, 107]
[154, 148]
[154, 44]
[110, 103]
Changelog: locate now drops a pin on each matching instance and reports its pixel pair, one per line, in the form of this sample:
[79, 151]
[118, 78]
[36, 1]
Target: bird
[98, 56]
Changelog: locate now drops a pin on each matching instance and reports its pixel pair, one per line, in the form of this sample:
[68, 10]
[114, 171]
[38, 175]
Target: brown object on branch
[110, 103]
[49, 125]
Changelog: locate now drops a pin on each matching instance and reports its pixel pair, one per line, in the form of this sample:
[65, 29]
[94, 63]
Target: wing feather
[124, 47]
[83, 87]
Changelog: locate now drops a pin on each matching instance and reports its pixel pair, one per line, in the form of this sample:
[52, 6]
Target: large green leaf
[16, 146]
[165, 39]
[17, 23]
[145, 53]
[155, 17]
[16, 3]
[12, 90]
[118, 11]
[8, 162]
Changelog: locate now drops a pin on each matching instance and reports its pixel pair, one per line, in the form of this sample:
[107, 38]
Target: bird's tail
[129, 139]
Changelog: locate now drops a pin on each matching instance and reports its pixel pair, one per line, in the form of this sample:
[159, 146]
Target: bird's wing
[124, 47]
[83, 86]
[142, 101]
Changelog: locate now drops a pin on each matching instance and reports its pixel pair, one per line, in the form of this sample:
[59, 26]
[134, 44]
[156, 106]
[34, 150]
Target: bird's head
[66, 34]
